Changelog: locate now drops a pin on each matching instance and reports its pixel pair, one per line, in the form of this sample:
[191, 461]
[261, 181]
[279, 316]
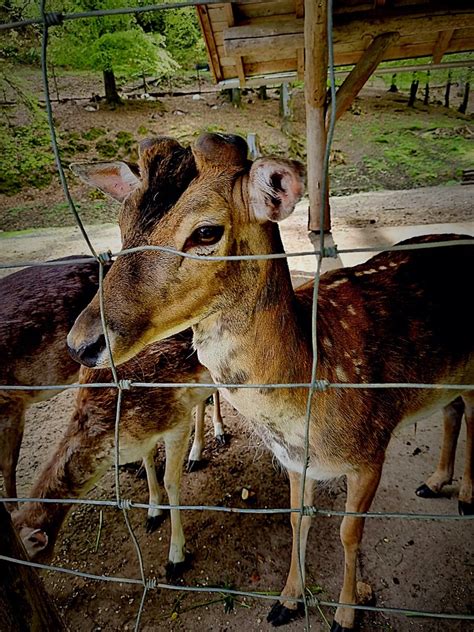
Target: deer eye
[205, 236]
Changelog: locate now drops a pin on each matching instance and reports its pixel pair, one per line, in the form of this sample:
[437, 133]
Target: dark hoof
[465, 509]
[155, 522]
[222, 440]
[195, 466]
[175, 572]
[281, 615]
[337, 627]
[424, 491]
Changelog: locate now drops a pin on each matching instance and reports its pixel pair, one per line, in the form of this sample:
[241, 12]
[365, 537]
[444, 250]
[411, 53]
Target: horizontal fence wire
[48, 20]
[331, 251]
[306, 510]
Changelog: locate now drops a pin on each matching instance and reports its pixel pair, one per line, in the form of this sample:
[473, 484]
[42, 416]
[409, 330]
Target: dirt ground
[427, 565]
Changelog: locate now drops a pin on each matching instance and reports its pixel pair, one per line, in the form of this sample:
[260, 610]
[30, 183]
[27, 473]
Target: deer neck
[256, 327]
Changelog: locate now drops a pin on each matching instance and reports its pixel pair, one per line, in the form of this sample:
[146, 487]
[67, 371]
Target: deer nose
[88, 353]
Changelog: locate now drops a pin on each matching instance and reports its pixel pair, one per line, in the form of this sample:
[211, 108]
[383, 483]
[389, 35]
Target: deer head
[206, 201]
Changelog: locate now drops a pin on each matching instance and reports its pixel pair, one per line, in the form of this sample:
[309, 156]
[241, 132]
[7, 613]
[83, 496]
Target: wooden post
[448, 91]
[25, 606]
[413, 90]
[427, 89]
[463, 107]
[262, 93]
[285, 98]
[361, 72]
[316, 64]
[393, 85]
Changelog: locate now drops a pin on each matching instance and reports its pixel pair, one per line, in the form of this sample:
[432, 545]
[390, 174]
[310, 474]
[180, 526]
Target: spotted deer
[38, 306]
[400, 317]
[87, 449]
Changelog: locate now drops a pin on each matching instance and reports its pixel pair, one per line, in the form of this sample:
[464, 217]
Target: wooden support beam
[316, 63]
[212, 54]
[300, 64]
[441, 45]
[361, 72]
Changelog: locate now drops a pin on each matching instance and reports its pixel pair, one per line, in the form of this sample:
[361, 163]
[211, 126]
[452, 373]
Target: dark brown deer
[400, 317]
[38, 306]
[86, 450]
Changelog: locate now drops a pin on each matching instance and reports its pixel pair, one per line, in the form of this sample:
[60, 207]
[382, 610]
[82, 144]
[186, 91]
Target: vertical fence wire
[314, 386]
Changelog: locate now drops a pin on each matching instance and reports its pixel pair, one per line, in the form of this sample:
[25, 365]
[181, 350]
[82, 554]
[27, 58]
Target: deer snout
[90, 354]
[86, 341]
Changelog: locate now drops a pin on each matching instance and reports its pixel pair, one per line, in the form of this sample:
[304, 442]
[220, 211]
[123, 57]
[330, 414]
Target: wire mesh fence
[319, 251]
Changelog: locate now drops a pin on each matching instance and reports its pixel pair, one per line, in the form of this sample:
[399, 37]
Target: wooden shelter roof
[248, 40]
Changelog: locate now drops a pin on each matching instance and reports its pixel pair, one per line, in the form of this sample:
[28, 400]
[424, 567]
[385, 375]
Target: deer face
[206, 202]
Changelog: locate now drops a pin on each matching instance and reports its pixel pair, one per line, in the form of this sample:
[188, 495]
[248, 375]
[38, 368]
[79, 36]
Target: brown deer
[400, 317]
[38, 306]
[87, 450]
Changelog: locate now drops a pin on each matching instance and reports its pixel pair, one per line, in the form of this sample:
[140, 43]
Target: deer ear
[275, 186]
[117, 179]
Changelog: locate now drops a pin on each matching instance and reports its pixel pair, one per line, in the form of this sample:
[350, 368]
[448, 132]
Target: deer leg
[361, 488]
[443, 475]
[195, 455]
[12, 423]
[155, 515]
[175, 446]
[284, 611]
[218, 424]
[466, 491]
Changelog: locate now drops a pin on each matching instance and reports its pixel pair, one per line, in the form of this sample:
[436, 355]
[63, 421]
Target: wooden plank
[441, 45]
[270, 67]
[231, 21]
[316, 60]
[203, 16]
[289, 35]
[361, 72]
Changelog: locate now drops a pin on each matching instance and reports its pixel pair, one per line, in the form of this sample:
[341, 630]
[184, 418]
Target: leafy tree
[115, 45]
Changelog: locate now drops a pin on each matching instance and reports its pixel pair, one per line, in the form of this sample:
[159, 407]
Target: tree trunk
[25, 606]
[111, 94]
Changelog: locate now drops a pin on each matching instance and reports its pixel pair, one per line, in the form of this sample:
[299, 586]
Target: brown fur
[86, 450]
[399, 317]
[38, 306]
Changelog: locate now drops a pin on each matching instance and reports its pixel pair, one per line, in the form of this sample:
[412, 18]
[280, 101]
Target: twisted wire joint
[53, 19]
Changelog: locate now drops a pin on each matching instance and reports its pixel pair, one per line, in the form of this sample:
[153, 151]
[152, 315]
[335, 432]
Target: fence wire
[319, 251]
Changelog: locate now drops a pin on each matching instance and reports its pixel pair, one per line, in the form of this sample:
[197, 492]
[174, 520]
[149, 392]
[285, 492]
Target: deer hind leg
[176, 442]
[284, 611]
[195, 456]
[443, 475]
[217, 421]
[361, 488]
[155, 515]
[466, 491]
[12, 423]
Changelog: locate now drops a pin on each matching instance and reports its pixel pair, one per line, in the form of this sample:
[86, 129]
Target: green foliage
[25, 145]
[110, 43]
[183, 36]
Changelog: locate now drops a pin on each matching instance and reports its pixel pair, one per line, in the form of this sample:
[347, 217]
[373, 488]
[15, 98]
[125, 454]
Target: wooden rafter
[441, 45]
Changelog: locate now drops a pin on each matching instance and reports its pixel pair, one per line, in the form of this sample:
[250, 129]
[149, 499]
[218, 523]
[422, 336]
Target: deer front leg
[443, 475]
[466, 491]
[195, 455]
[155, 516]
[284, 611]
[361, 488]
[176, 442]
[217, 422]
[12, 422]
